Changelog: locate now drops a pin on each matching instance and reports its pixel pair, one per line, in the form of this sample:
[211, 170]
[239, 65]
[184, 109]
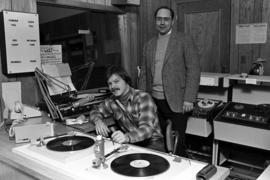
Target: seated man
[133, 110]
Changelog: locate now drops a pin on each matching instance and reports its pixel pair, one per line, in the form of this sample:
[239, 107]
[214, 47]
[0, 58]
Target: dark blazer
[180, 73]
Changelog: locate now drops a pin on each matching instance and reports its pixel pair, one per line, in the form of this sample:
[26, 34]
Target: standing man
[170, 72]
[133, 110]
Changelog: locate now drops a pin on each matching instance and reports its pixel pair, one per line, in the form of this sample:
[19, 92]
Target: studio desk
[27, 161]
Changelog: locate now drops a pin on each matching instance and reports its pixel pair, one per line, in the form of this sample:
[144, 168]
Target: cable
[15, 122]
[53, 80]
[2, 124]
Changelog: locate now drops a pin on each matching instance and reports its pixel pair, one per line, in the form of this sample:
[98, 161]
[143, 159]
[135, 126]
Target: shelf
[199, 156]
[199, 148]
[244, 162]
[250, 79]
[251, 165]
[242, 171]
[213, 79]
[82, 5]
[225, 80]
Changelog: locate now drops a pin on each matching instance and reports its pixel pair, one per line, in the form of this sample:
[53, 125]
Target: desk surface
[89, 127]
[39, 171]
[265, 175]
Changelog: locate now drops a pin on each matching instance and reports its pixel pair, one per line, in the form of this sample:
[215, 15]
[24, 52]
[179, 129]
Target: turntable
[134, 162]
[70, 143]
[64, 149]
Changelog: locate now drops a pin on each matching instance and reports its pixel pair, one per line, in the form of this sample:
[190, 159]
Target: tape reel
[206, 104]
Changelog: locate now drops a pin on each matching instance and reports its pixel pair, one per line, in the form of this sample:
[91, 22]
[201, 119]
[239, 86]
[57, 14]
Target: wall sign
[20, 45]
[51, 54]
[255, 33]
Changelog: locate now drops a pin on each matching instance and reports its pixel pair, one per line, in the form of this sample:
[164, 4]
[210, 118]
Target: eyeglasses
[165, 19]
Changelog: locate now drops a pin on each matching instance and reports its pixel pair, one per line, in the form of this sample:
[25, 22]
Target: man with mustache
[133, 110]
[170, 72]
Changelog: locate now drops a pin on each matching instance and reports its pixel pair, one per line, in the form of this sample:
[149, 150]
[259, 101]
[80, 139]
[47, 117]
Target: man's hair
[165, 7]
[119, 71]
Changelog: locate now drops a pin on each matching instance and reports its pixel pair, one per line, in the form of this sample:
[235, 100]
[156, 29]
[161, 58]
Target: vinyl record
[70, 143]
[140, 165]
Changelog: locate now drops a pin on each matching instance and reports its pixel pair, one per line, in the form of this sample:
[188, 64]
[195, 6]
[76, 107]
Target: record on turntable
[140, 165]
[70, 143]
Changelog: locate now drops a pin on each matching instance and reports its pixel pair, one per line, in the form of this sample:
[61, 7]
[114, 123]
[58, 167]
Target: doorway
[208, 22]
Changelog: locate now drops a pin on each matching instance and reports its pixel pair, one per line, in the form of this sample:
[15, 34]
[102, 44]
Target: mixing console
[246, 114]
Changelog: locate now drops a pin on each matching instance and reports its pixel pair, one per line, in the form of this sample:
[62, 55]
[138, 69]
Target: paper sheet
[54, 89]
[11, 92]
[51, 54]
[60, 72]
[251, 33]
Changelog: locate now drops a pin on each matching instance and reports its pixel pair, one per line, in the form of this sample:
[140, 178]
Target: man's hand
[119, 137]
[187, 106]
[102, 128]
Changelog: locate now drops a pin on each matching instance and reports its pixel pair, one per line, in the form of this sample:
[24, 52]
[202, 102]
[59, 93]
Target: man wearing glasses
[170, 72]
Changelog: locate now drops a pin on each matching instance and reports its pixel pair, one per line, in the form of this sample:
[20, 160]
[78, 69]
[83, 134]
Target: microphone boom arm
[50, 79]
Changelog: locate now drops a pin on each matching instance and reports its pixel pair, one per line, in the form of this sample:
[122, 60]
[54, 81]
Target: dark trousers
[179, 121]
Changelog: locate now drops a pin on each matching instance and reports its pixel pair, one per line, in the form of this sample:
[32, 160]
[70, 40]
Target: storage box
[33, 129]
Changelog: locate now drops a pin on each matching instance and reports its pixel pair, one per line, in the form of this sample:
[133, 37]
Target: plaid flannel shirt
[143, 123]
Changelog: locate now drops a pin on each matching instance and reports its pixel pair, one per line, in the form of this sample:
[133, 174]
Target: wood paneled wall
[139, 27]
[242, 11]
[29, 87]
[242, 56]
[146, 20]
[265, 49]
[128, 35]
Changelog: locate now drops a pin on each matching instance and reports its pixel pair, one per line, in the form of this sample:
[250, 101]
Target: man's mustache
[115, 89]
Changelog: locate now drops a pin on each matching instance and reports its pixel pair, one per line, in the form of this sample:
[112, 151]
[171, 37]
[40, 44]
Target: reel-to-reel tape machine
[201, 118]
[203, 107]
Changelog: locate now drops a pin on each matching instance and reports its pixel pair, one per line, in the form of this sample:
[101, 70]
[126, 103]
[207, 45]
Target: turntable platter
[70, 143]
[140, 165]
